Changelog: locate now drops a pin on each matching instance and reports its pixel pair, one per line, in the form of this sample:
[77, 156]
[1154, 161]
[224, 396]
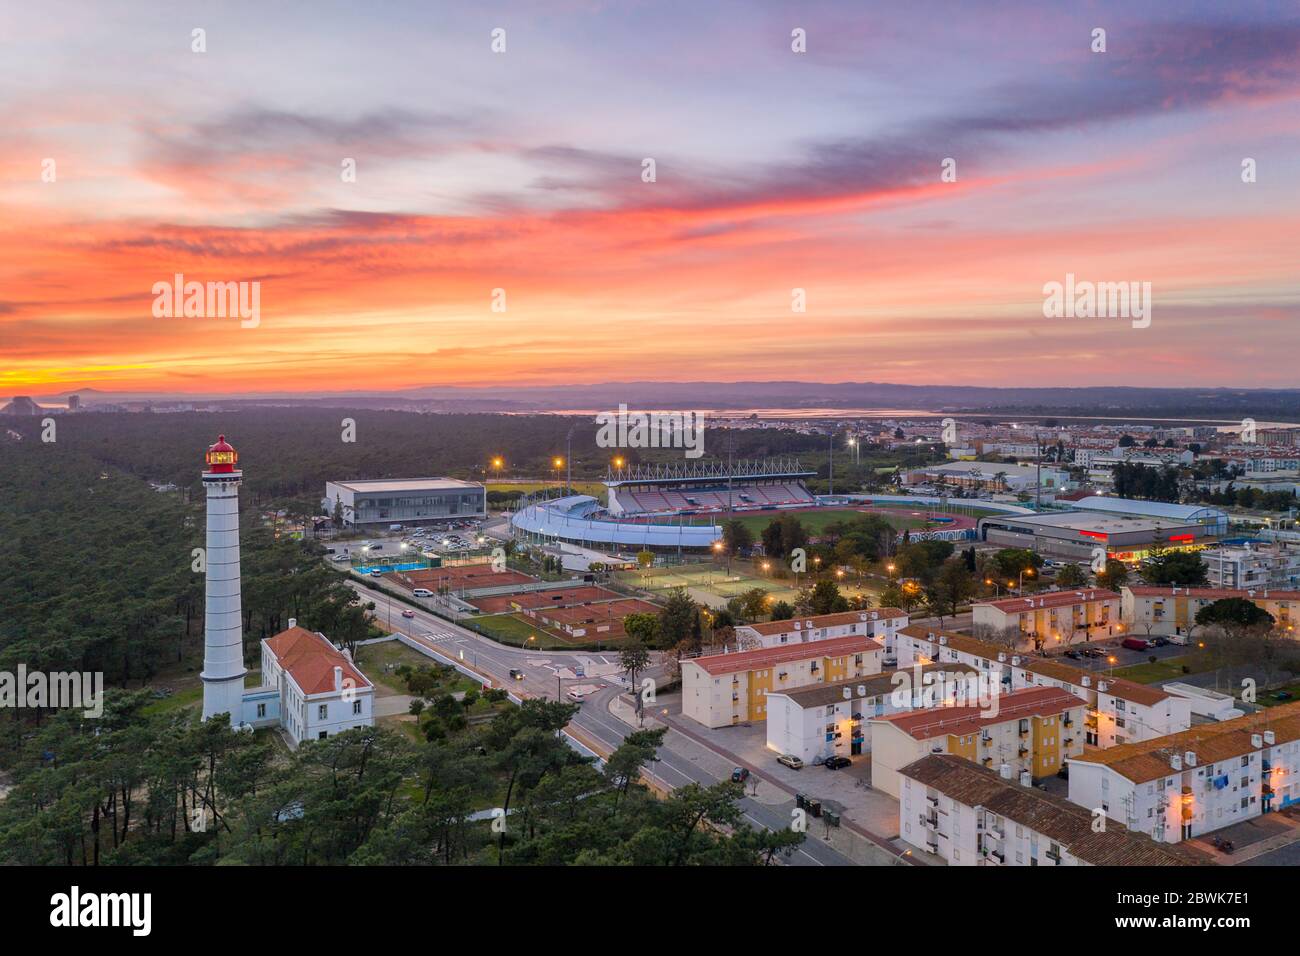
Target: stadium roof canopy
[695, 472]
[572, 519]
[1151, 509]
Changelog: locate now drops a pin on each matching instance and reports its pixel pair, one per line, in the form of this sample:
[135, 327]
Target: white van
[422, 592]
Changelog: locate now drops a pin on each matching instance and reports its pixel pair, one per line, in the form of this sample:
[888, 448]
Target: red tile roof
[827, 620]
[1049, 599]
[770, 656]
[310, 660]
[941, 721]
[1216, 594]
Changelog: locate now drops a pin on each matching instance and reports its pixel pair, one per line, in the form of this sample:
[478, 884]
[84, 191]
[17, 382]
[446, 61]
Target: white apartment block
[1119, 711]
[879, 624]
[970, 816]
[825, 720]
[1195, 782]
[1275, 566]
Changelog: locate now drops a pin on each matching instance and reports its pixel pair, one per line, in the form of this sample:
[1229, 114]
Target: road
[540, 668]
[673, 770]
[594, 719]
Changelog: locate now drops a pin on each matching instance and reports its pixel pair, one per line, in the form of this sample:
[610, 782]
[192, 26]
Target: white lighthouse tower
[223, 646]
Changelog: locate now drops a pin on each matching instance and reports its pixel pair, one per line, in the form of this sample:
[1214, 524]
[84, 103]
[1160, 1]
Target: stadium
[654, 507]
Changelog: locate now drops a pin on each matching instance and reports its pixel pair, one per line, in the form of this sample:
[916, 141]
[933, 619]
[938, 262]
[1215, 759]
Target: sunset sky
[522, 171]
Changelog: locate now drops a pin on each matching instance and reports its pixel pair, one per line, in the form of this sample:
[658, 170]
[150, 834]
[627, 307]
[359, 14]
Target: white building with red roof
[310, 687]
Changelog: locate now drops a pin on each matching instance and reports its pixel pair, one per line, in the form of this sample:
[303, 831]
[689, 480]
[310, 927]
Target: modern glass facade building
[405, 501]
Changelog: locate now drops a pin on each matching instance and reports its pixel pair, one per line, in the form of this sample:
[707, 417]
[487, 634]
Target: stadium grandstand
[708, 487]
[651, 507]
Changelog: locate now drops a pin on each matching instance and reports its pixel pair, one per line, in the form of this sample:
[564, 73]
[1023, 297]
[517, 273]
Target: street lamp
[1028, 571]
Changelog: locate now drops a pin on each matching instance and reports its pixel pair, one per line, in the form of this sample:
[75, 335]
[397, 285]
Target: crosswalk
[436, 637]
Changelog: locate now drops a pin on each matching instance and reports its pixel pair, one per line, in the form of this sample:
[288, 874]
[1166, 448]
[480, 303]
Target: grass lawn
[1266, 698]
[379, 661]
[816, 521]
[188, 697]
[1169, 668]
[514, 630]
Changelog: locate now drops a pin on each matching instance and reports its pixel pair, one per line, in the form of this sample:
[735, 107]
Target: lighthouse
[223, 646]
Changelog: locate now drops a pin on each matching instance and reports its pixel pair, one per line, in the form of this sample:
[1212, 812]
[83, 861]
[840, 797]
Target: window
[322, 712]
[261, 710]
[356, 707]
[322, 735]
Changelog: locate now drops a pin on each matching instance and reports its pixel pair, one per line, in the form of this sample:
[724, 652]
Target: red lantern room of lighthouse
[222, 460]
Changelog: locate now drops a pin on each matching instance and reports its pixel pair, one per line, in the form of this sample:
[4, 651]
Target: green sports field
[706, 577]
[816, 521]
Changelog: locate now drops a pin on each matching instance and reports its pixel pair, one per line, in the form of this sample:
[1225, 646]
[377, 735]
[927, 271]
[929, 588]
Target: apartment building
[725, 689]
[1031, 731]
[1253, 567]
[1054, 616]
[1119, 710]
[972, 816]
[1171, 611]
[826, 720]
[879, 624]
[1192, 783]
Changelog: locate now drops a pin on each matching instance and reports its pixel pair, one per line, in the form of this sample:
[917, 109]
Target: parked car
[1160, 642]
[835, 763]
[1074, 655]
[791, 761]
[739, 774]
[1135, 643]
[408, 613]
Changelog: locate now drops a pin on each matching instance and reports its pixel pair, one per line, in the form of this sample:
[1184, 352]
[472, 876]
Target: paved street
[674, 770]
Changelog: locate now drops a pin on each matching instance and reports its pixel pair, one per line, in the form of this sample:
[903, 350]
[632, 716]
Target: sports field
[710, 578]
[815, 520]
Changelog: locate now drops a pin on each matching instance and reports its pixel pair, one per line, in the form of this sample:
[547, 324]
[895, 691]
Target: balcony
[933, 802]
[1054, 856]
[994, 857]
[1067, 721]
[1023, 751]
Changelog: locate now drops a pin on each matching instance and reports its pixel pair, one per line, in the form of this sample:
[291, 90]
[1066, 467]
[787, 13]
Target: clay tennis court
[603, 621]
[562, 597]
[460, 576]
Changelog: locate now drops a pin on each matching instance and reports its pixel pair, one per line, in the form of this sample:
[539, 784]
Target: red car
[1135, 644]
